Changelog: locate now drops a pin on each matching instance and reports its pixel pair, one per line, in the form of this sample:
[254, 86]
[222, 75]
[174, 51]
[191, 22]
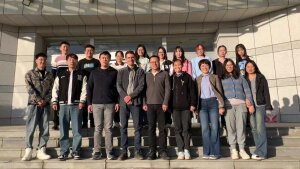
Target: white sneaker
[187, 154]
[41, 154]
[257, 157]
[28, 154]
[234, 154]
[180, 156]
[244, 155]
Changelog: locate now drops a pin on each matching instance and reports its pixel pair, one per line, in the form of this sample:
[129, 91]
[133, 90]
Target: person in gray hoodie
[156, 105]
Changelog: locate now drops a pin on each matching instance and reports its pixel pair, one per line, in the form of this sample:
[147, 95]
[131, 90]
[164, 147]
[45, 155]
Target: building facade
[270, 30]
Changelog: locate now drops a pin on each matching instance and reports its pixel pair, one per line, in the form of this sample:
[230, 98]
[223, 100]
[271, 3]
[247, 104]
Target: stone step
[196, 163]
[19, 142]
[86, 152]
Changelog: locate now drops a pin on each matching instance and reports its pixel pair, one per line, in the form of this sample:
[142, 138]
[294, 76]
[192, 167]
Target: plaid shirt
[38, 88]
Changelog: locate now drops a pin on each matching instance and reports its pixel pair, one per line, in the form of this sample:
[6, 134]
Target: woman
[119, 64]
[183, 101]
[211, 105]
[142, 58]
[218, 64]
[186, 64]
[241, 58]
[200, 51]
[165, 64]
[238, 97]
[261, 96]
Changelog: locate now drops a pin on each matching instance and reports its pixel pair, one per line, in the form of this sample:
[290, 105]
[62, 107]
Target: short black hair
[64, 42]
[89, 46]
[177, 60]
[204, 61]
[129, 52]
[222, 46]
[106, 53]
[154, 56]
[71, 55]
[41, 54]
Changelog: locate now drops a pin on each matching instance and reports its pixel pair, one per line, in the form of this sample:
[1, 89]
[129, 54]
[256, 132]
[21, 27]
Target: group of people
[154, 90]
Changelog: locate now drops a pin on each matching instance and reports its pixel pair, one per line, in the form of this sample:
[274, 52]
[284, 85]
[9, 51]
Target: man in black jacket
[156, 103]
[69, 91]
[130, 85]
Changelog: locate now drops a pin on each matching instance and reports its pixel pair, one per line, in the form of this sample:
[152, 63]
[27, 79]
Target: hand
[55, 107]
[145, 108]
[192, 109]
[248, 103]
[117, 107]
[90, 108]
[81, 105]
[127, 99]
[251, 109]
[164, 107]
[221, 111]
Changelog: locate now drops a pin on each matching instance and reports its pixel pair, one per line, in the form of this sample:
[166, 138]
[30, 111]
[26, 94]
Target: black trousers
[86, 115]
[155, 115]
[182, 124]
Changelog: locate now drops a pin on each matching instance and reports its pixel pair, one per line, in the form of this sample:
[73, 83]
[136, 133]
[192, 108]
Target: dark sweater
[183, 92]
[158, 88]
[87, 66]
[218, 68]
[102, 86]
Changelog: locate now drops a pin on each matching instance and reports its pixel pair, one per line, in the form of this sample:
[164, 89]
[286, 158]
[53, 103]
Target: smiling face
[200, 51]
[241, 52]
[177, 65]
[204, 68]
[140, 51]
[250, 69]
[119, 57]
[178, 54]
[130, 59]
[64, 49]
[229, 67]
[161, 54]
[41, 63]
[89, 52]
[154, 63]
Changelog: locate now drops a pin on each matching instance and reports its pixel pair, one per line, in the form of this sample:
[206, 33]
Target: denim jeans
[155, 115]
[136, 117]
[209, 114]
[103, 118]
[37, 116]
[182, 124]
[257, 122]
[67, 112]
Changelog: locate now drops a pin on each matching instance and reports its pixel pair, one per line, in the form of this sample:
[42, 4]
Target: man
[87, 65]
[156, 103]
[200, 51]
[39, 84]
[59, 65]
[69, 91]
[130, 85]
[102, 101]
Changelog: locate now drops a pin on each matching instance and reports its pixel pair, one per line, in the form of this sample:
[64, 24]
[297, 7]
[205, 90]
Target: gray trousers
[103, 119]
[236, 117]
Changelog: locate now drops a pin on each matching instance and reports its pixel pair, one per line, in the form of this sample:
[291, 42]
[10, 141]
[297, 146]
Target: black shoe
[123, 156]
[76, 156]
[138, 155]
[164, 155]
[63, 157]
[96, 156]
[151, 155]
[55, 127]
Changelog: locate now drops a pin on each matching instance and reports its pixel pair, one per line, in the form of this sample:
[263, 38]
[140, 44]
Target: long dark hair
[181, 49]
[238, 57]
[235, 73]
[203, 47]
[257, 71]
[145, 52]
[164, 50]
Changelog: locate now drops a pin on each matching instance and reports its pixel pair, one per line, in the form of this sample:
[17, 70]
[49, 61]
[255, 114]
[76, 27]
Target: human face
[140, 51]
[130, 59]
[119, 57]
[241, 52]
[64, 49]
[154, 64]
[204, 68]
[222, 52]
[161, 54]
[178, 54]
[104, 60]
[229, 67]
[250, 69]
[41, 63]
[199, 51]
[177, 67]
[89, 52]
[72, 63]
